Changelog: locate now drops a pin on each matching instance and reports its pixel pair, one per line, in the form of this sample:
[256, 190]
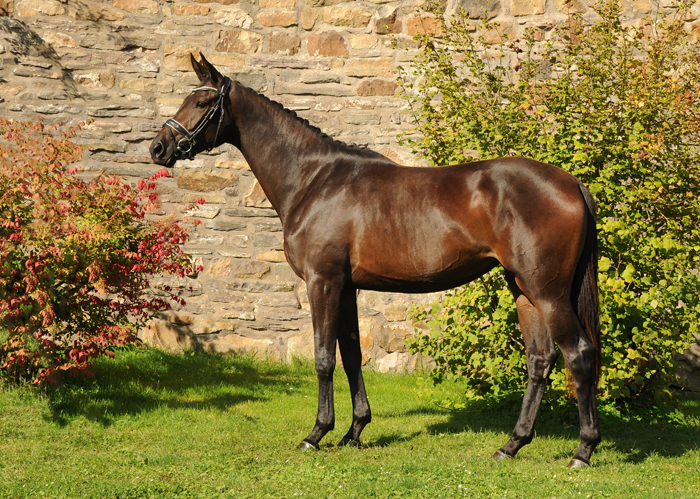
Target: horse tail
[584, 291]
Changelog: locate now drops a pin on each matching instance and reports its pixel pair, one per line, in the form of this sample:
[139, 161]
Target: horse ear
[208, 67]
[199, 69]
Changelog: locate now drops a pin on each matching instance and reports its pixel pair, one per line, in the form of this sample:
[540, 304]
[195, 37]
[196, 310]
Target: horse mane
[351, 148]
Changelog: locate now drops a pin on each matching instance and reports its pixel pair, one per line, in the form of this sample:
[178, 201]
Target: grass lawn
[193, 425]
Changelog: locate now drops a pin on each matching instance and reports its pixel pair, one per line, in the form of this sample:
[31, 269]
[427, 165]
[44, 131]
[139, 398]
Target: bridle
[186, 144]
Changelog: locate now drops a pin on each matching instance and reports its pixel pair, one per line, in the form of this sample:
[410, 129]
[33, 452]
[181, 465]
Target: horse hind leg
[541, 356]
[580, 356]
[351, 353]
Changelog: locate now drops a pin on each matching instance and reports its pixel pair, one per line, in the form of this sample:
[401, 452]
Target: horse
[354, 219]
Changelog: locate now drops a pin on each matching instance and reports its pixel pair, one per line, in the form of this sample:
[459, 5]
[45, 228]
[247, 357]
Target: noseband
[186, 144]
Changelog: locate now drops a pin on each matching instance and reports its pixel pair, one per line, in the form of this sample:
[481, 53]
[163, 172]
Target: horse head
[205, 119]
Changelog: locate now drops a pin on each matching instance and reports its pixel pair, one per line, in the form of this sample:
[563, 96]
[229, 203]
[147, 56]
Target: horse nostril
[158, 149]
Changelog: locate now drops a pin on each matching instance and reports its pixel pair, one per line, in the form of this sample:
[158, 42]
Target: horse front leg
[324, 299]
[350, 351]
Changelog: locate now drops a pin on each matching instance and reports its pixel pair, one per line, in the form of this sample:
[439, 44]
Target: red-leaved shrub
[75, 255]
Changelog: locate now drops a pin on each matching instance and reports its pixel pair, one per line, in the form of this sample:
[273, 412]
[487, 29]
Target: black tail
[584, 292]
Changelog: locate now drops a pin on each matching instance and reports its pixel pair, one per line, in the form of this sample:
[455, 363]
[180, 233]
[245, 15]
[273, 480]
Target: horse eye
[201, 104]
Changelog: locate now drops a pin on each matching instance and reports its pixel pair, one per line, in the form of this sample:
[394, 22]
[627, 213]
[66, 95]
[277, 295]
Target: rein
[186, 144]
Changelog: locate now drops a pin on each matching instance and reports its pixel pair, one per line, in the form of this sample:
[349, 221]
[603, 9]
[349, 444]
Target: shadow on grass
[142, 380]
[635, 440]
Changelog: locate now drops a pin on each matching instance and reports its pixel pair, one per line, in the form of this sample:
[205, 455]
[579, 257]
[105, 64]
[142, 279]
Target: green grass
[181, 426]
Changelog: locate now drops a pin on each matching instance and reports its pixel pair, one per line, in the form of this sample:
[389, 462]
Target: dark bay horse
[353, 219]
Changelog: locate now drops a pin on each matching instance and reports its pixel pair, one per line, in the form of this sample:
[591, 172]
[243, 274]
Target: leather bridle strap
[186, 144]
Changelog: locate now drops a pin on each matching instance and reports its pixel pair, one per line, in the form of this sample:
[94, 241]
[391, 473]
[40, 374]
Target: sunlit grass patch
[192, 425]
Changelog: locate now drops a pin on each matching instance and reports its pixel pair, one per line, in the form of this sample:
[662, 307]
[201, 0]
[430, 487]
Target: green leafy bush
[617, 106]
[75, 256]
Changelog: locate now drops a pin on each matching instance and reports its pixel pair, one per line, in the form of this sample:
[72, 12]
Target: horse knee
[540, 365]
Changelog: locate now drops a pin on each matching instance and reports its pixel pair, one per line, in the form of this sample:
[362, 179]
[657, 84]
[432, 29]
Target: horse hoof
[305, 445]
[577, 464]
[499, 455]
[349, 442]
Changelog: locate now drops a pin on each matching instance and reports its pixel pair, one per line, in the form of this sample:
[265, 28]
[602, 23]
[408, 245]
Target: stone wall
[125, 65]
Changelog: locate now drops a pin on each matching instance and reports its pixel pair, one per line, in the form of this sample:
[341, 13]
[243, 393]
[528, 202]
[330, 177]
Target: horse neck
[279, 149]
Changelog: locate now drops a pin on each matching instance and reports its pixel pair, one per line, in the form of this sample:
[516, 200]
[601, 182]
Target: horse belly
[425, 264]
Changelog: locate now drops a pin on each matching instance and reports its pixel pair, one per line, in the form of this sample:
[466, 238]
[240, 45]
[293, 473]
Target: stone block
[7, 7]
[226, 60]
[642, 6]
[308, 18]
[89, 10]
[191, 10]
[252, 270]
[239, 313]
[278, 4]
[169, 337]
[119, 111]
[385, 20]
[249, 212]
[220, 268]
[29, 8]
[275, 256]
[110, 126]
[206, 181]
[392, 337]
[234, 17]
[290, 63]
[363, 42]
[477, 9]
[361, 118]
[265, 241]
[423, 24]
[378, 67]
[97, 79]
[347, 14]
[58, 40]
[396, 313]
[283, 18]
[211, 211]
[241, 42]
[282, 315]
[396, 362]
[234, 165]
[200, 211]
[137, 6]
[256, 197]
[279, 300]
[225, 225]
[366, 340]
[316, 78]
[527, 7]
[37, 73]
[284, 43]
[177, 58]
[376, 87]
[496, 35]
[178, 286]
[327, 44]
[267, 226]
[253, 78]
[140, 65]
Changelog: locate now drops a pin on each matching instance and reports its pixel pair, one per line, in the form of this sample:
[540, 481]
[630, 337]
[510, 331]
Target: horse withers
[354, 219]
